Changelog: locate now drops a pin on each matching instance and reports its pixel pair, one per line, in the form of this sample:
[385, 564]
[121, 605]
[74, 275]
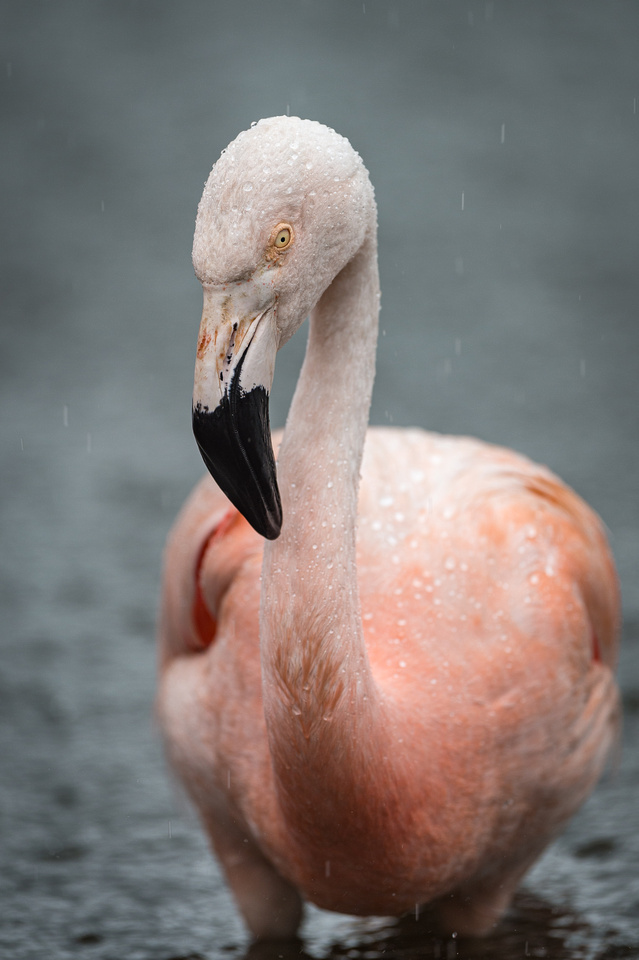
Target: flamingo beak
[233, 377]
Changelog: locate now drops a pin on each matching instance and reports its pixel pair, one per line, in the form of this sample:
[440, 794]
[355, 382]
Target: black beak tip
[272, 528]
[235, 445]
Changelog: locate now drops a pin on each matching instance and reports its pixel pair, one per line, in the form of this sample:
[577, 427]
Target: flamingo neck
[319, 696]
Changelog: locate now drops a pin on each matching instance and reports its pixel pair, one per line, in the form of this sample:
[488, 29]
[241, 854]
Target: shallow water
[513, 319]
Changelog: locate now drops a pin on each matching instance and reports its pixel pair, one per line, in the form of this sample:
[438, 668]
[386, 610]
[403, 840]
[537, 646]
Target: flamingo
[387, 664]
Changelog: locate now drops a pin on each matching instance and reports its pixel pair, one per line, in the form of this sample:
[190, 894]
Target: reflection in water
[532, 928]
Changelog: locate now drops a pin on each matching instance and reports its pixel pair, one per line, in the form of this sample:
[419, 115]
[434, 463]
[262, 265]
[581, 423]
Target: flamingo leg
[270, 905]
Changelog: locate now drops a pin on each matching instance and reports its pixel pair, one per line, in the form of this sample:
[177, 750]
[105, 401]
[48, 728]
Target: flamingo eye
[283, 237]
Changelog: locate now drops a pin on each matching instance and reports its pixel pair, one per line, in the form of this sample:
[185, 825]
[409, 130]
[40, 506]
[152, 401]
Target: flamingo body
[432, 760]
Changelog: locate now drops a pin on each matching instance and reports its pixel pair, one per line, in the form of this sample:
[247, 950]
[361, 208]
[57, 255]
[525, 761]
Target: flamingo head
[285, 208]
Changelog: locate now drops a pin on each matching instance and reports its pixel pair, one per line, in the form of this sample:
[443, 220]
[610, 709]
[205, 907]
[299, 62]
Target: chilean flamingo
[379, 691]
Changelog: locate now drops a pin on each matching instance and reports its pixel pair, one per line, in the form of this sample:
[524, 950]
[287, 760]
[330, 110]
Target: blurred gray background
[503, 140]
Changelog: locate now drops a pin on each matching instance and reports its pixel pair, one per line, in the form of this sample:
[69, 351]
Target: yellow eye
[283, 237]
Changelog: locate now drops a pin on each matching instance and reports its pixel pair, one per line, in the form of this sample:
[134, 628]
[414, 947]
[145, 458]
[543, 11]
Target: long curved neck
[320, 701]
